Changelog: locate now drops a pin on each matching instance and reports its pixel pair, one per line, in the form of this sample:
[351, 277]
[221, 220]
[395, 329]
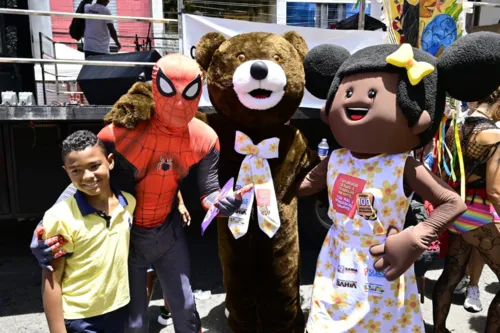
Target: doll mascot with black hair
[382, 102]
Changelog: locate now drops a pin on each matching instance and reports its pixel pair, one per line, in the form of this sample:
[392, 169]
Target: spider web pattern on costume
[144, 146]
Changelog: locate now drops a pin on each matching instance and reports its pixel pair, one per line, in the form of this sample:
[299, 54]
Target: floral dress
[366, 197]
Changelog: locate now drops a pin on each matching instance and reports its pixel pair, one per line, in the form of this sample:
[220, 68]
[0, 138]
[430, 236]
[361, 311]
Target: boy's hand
[186, 218]
[47, 250]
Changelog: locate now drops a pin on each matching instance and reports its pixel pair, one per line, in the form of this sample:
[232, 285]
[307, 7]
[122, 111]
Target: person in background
[89, 290]
[165, 317]
[98, 32]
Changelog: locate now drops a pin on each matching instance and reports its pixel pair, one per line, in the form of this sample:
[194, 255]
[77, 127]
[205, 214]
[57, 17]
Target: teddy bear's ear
[469, 69]
[321, 64]
[297, 41]
[206, 47]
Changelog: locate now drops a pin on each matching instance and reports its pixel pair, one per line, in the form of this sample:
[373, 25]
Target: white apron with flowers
[366, 196]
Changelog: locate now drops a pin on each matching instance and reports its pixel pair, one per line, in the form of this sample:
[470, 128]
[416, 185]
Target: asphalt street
[21, 308]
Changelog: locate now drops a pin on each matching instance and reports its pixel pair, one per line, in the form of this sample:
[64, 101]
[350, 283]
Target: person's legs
[487, 240]
[173, 270]
[472, 301]
[454, 268]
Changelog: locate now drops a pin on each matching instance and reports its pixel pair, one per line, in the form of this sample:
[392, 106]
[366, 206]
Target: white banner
[194, 27]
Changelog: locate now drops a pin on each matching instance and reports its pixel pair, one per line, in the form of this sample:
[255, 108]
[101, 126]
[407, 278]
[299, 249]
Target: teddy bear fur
[261, 274]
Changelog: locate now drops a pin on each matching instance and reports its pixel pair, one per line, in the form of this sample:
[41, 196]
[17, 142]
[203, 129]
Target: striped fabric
[479, 212]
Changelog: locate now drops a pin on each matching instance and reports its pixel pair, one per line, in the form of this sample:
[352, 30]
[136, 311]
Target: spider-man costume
[151, 161]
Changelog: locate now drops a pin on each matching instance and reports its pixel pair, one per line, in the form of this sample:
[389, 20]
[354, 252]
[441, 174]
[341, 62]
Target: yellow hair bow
[403, 57]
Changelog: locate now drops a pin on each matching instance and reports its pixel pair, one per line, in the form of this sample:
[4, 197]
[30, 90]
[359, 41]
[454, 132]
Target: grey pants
[165, 248]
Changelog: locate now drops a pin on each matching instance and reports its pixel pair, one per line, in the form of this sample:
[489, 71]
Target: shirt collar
[86, 209]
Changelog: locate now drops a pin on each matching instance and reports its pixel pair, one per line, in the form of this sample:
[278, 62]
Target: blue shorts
[111, 322]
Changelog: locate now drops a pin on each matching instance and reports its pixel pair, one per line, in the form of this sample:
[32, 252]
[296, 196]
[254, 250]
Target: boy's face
[89, 169]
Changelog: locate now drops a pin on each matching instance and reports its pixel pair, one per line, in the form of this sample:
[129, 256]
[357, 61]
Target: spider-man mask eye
[165, 86]
[192, 89]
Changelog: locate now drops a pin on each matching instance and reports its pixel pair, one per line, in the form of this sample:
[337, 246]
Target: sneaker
[462, 286]
[165, 317]
[472, 302]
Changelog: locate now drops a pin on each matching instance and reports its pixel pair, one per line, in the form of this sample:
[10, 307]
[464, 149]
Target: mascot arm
[315, 180]
[135, 106]
[402, 249]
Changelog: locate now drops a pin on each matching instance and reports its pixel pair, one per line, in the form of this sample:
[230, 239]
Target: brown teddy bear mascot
[383, 102]
[256, 83]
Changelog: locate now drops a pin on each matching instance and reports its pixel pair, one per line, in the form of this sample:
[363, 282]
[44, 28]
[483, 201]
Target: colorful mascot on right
[382, 102]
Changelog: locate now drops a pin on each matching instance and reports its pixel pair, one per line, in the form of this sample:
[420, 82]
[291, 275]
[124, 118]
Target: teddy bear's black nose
[258, 70]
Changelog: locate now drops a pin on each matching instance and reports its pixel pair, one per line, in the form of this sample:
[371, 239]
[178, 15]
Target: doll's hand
[186, 218]
[400, 250]
[46, 250]
[228, 205]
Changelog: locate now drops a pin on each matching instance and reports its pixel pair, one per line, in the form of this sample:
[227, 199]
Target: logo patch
[364, 203]
[344, 269]
[347, 283]
[370, 272]
[165, 164]
[374, 288]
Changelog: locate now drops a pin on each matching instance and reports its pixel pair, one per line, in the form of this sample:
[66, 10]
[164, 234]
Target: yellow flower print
[350, 162]
[356, 223]
[367, 241]
[359, 305]
[405, 320]
[360, 256]
[389, 302]
[354, 173]
[340, 161]
[374, 299]
[259, 163]
[398, 172]
[272, 147]
[245, 167]
[344, 251]
[247, 179]
[335, 242]
[400, 304]
[330, 312]
[416, 329]
[394, 329]
[339, 300]
[328, 266]
[327, 240]
[319, 273]
[388, 163]
[352, 330]
[371, 169]
[386, 211]
[331, 211]
[361, 321]
[369, 183]
[240, 138]
[333, 175]
[387, 316]
[343, 237]
[398, 287]
[332, 275]
[376, 311]
[412, 304]
[340, 152]
[389, 191]
[373, 326]
[236, 230]
[336, 257]
[356, 233]
[378, 229]
[330, 253]
[402, 204]
[413, 279]
[259, 179]
[267, 225]
[267, 170]
[393, 222]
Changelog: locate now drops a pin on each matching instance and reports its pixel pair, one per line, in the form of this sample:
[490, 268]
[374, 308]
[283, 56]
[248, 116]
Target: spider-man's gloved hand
[47, 250]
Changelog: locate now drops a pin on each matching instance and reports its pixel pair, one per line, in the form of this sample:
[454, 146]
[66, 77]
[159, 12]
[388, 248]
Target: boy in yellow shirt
[88, 290]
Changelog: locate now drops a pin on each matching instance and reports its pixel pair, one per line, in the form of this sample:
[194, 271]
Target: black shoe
[165, 317]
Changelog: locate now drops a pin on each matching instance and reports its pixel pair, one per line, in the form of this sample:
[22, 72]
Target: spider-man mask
[176, 90]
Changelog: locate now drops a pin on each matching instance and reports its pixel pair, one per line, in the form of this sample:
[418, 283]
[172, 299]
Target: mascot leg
[487, 240]
[238, 259]
[278, 268]
[456, 261]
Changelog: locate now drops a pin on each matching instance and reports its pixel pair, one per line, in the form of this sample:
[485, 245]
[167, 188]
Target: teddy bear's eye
[348, 93]
[241, 57]
[277, 58]
[372, 93]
